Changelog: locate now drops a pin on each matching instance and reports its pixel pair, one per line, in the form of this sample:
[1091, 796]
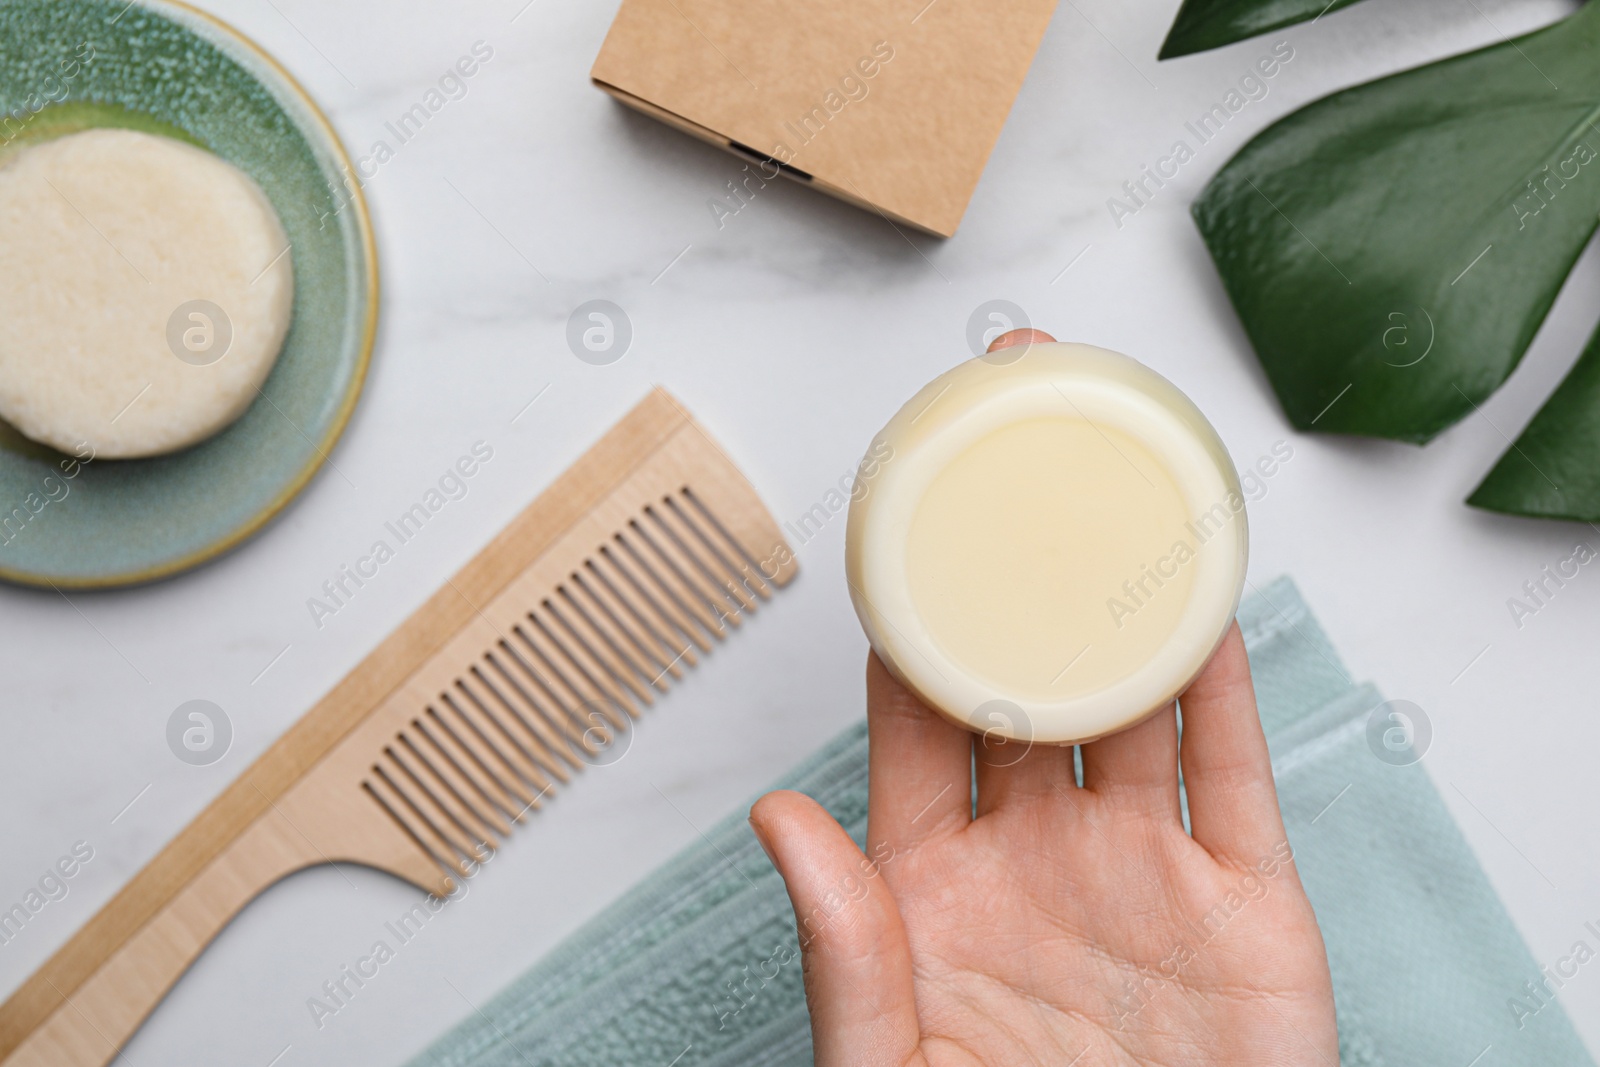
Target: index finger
[920, 769]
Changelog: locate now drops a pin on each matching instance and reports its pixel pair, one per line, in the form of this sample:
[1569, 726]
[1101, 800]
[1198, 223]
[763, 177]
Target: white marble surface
[792, 333]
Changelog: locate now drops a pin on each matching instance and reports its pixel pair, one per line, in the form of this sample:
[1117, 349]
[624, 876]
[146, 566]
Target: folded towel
[688, 968]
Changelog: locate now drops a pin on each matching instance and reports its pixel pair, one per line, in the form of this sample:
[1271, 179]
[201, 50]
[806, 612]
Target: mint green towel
[683, 969]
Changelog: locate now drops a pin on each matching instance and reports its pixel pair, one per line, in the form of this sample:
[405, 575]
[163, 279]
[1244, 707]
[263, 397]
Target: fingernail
[1012, 338]
[761, 839]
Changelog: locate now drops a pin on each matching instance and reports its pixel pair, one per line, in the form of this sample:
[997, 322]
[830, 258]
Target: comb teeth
[566, 662]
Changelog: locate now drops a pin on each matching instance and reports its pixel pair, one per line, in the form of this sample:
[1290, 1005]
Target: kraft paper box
[892, 105]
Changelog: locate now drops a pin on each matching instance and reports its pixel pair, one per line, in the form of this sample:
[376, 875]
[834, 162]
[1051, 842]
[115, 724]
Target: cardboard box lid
[888, 103]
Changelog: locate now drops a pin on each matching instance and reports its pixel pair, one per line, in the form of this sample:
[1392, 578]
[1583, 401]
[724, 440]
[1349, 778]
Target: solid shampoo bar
[1055, 546]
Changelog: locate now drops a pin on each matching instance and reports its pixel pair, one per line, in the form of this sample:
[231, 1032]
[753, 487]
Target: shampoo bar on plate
[1055, 548]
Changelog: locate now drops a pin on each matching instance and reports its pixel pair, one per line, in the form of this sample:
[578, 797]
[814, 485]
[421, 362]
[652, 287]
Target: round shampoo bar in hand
[1048, 544]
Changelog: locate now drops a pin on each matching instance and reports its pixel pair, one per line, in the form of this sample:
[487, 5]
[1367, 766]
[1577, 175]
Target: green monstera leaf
[1553, 469]
[1203, 24]
[1392, 249]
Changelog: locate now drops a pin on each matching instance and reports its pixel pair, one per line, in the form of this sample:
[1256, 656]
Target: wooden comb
[506, 682]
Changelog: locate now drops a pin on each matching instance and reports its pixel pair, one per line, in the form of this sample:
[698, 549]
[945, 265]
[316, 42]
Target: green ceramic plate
[67, 65]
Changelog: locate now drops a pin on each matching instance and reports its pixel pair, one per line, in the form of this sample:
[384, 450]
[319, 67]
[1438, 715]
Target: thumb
[856, 960]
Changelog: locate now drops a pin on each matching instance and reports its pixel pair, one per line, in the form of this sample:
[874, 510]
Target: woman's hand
[1061, 924]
